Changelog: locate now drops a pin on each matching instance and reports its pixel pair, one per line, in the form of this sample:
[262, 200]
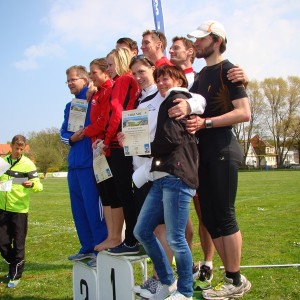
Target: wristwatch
[208, 123]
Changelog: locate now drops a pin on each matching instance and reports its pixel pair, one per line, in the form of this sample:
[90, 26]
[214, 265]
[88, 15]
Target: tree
[283, 100]
[244, 131]
[47, 150]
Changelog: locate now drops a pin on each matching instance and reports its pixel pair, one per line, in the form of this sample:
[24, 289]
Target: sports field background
[268, 210]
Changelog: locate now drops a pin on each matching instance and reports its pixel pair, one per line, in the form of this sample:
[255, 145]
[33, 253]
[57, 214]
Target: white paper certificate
[101, 167]
[16, 180]
[135, 126]
[4, 166]
[78, 110]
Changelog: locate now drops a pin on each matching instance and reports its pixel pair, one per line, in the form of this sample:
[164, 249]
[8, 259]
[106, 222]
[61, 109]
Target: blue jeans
[168, 202]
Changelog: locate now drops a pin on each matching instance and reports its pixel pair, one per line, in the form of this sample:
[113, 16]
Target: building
[5, 149]
[262, 154]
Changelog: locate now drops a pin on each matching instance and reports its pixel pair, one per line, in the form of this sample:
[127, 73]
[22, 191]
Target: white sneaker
[162, 291]
[227, 290]
[178, 296]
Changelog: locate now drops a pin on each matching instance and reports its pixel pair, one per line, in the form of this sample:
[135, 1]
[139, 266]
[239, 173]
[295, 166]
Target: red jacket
[163, 61]
[100, 108]
[124, 94]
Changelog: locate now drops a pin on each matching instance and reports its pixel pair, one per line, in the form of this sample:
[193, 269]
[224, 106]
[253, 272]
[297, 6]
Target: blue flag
[158, 16]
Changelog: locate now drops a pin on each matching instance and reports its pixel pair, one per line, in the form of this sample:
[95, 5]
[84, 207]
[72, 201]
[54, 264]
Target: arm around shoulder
[197, 104]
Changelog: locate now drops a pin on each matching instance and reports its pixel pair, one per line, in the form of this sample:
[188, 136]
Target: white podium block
[115, 276]
[84, 282]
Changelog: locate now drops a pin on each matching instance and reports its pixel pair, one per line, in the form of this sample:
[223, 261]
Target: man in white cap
[227, 104]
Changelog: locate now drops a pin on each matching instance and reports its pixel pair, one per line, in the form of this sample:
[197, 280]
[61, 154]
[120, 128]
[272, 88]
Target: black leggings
[220, 157]
[122, 170]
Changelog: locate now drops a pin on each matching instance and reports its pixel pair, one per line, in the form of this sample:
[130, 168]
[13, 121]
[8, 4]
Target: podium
[84, 282]
[112, 279]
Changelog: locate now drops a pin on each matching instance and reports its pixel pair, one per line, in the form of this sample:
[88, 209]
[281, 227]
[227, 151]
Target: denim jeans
[168, 202]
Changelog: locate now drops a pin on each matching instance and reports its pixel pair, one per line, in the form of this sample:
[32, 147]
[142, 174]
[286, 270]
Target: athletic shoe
[81, 256]
[203, 282]
[178, 296]
[195, 271]
[162, 291]
[92, 263]
[150, 284]
[226, 290]
[13, 283]
[123, 249]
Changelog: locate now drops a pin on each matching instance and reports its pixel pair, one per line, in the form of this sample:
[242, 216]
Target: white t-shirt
[150, 99]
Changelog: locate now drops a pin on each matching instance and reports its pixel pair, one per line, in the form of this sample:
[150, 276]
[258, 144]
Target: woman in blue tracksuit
[85, 201]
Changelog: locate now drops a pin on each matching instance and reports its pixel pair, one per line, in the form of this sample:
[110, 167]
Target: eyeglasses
[141, 57]
[73, 80]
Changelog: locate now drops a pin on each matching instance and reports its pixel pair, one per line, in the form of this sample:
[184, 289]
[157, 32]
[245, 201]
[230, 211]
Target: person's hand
[95, 144]
[194, 123]
[28, 184]
[91, 90]
[121, 138]
[103, 148]
[99, 144]
[77, 136]
[180, 110]
[236, 74]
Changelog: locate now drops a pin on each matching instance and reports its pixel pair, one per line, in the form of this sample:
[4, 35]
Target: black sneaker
[203, 282]
[124, 249]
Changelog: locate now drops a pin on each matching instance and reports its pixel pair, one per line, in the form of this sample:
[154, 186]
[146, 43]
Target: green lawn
[268, 209]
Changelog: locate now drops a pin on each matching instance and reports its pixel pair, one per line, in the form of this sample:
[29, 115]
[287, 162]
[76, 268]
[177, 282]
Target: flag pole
[158, 17]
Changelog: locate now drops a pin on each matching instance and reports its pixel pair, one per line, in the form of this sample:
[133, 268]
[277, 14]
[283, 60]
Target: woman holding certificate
[175, 172]
[95, 130]
[124, 94]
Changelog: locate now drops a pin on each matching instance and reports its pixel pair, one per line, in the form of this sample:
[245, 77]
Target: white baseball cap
[207, 28]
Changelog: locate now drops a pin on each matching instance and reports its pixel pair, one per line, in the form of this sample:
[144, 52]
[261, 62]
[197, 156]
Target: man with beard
[220, 154]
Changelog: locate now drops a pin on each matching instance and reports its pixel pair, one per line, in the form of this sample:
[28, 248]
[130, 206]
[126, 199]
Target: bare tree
[244, 131]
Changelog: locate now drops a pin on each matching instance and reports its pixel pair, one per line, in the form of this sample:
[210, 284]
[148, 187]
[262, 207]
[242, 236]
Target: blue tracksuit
[85, 200]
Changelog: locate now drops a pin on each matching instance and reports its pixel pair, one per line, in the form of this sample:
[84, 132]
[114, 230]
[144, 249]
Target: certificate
[101, 168]
[135, 126]
[4, 166]
[17, 180]
[78, 110]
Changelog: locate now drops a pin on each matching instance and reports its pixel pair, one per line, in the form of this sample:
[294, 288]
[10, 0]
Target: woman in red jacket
[99, 115]
[124, 95]
[100, 100]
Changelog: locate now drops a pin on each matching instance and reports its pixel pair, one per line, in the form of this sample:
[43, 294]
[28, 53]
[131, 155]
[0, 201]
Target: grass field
[268, 209]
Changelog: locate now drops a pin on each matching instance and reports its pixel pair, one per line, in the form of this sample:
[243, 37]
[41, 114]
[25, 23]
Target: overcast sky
[40, 39]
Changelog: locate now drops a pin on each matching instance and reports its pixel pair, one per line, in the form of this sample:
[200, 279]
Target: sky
[42, 38]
